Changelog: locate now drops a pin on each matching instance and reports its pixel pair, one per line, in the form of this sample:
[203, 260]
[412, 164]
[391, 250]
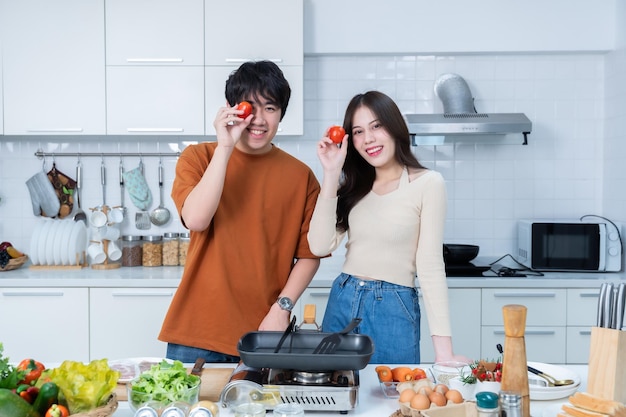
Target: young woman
[392, 210]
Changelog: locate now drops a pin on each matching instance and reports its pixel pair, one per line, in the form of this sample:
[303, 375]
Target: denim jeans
[390, 313]
[189, 354]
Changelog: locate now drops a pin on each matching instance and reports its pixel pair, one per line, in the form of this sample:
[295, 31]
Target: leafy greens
[165, 382]
[9, 375]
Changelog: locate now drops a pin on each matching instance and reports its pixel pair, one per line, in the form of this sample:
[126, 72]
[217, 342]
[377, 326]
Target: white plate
[34, 241]
[57, 248]
[52, 232]
[131, 368]
[65, 242]
[77, 243]
[41, 245]
[553, 393]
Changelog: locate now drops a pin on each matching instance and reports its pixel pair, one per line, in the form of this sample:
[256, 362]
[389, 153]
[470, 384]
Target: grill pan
[256, 350]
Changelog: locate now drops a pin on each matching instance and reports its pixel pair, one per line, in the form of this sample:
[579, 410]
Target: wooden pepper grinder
[514, 365]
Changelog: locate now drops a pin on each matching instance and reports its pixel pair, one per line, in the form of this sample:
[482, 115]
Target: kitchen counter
[373, 403]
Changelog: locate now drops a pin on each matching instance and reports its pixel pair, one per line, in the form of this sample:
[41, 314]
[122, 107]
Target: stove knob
[342, 380]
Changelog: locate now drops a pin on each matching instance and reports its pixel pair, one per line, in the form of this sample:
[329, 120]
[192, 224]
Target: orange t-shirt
[236, 268]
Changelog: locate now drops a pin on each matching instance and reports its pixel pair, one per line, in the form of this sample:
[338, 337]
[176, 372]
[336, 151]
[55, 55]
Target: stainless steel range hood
[460, 117]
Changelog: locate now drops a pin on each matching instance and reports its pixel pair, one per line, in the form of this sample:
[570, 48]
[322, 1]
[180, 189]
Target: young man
[248, 205]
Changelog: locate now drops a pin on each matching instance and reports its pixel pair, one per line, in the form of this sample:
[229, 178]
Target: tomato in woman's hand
[246, 107]
[336, 133]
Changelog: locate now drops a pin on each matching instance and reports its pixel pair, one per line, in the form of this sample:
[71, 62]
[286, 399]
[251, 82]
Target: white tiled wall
[562, 172]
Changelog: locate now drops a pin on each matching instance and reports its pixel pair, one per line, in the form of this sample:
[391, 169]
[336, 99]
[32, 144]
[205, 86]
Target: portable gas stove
[313, 390]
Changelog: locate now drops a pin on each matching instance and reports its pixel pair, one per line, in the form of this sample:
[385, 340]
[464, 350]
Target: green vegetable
[85, 387]
[12, 405]
[48, 395]
[10, 376]
[165, 382]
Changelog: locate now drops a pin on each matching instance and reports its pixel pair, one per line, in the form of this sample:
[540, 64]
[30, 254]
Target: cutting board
[213, 381]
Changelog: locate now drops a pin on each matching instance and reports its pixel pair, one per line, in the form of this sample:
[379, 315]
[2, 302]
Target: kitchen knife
[620, 303]
[607, 312]
[601, 302]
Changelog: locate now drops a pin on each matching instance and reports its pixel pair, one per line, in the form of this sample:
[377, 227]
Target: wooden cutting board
[213, 381]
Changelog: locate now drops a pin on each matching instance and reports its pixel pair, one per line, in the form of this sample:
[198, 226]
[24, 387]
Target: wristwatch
[285, 303]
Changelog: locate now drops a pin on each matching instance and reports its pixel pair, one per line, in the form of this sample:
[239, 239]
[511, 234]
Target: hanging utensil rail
[41, 154]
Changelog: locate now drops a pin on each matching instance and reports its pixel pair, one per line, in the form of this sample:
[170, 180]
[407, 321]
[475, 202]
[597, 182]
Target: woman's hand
[229, 126]
[330, 154]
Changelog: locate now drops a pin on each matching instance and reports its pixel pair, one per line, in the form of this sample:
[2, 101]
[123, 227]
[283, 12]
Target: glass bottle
[170, 249]
[183, 248]
[152, 254]
[487, 404]
[131, 250]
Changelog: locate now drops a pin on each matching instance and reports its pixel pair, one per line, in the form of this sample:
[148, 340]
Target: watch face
[285, 303]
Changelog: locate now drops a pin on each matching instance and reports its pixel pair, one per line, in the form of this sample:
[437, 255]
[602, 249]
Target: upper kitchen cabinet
[156, 32]
[254, 30]
[53, 67]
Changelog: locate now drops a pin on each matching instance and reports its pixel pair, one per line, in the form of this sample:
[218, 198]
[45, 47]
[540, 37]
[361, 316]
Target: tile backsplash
[492, 181]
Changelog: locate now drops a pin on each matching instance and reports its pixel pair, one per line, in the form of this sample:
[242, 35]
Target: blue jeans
[390, 313]
[189, 354]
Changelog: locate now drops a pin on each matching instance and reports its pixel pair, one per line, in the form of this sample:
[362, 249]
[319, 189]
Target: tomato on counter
[33, 370]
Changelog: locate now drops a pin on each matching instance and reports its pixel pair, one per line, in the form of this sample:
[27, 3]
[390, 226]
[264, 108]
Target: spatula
[330, 343]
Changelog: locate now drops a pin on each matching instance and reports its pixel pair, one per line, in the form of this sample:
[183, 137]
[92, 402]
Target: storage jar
[152, 250]
[170, 249]
[131, 250]
[183, 248]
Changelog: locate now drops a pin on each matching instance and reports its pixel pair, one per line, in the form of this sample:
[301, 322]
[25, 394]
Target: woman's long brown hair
[358, 175]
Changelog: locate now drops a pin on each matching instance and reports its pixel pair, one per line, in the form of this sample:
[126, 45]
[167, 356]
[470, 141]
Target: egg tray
[464, 409]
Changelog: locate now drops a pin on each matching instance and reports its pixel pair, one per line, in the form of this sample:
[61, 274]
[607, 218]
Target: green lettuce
[165, 382]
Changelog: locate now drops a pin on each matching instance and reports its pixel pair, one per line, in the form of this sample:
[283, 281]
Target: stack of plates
[539, 392]
[58, 242]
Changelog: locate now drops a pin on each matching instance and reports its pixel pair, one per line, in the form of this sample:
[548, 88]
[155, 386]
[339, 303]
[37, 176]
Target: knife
[620, 303]
[601, 302]
[197, 367]
[607, 312]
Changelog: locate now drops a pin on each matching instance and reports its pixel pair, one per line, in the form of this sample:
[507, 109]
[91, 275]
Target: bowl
[459, 254]
[162, 399]
[443, 372]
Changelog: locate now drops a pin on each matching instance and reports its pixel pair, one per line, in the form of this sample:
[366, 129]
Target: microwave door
[603, 251]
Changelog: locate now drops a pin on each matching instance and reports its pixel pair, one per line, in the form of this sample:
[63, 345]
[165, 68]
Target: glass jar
[152, 253]
[511, 404]
[131, 250]
[183, 247]
[170, 249]
[487, 404]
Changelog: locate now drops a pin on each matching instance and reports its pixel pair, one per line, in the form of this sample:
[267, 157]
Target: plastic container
[132, 252]
[170, 249]
[183, 248]
[152, 254]
[487, 404]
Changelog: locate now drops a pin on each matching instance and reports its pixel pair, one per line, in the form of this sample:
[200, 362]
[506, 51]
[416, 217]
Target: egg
[441, 388]
[437, 398]
[454, 396]
[424, 389]
[406, 395]
[420, 402]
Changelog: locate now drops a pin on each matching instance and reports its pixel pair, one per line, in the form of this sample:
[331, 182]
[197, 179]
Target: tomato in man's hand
[246, 107]
[336, 133]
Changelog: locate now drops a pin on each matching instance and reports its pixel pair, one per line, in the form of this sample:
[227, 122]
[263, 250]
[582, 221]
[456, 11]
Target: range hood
[460, 117]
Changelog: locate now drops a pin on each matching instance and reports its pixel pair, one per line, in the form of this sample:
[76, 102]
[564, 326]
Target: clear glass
[288, 410]
[152, 253]
[249, 410]
[170, 249]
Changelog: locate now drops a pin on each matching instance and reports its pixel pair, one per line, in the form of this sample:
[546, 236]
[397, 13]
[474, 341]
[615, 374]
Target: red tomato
[33, 370]
[246, 107]
[336, 133]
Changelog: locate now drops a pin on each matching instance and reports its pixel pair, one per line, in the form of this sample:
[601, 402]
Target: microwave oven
[569, 246]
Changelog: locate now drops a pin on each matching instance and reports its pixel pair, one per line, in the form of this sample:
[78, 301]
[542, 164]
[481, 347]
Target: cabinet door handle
[155, 129]
[242, 60]
[319, 294]
[33, 294]
[57, 130]
[589, 295]
[154, 60]
[142, 294]
[529, 332]
[585, 332]
[528, 294]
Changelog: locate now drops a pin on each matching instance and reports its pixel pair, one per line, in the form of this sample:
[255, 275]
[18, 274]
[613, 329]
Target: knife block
[606, 377]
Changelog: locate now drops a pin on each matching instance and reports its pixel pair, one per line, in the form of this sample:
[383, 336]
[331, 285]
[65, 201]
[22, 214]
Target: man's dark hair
[259, 79]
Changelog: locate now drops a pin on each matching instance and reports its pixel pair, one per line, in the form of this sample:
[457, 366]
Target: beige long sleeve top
[394, 237]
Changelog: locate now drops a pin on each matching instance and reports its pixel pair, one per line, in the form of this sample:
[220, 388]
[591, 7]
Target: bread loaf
[583, 401]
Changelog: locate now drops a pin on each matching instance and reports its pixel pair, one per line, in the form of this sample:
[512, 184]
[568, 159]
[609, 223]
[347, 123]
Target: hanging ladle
[552, 381]
[160, 215]
[80, 214]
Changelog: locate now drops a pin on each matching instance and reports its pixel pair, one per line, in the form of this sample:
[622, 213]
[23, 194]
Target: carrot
[384, 373]
[402, 374]
[418, 373]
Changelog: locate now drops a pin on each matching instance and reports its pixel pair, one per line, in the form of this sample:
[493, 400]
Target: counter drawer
[543, 344]
[546, 307]
[582, 306]
[578, 342]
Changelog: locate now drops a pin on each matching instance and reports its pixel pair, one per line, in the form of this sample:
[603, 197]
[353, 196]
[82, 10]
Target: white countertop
[373, 403]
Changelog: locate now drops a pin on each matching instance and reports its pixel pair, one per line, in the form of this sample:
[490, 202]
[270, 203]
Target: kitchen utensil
[80, 214]
[160, 215]
[122, 205]
[456, 253]
[256, 350]
[286, 333]
[197, 367]
[330, 343]
[607, 310]
[552, 381]
[620, 305]
[142, 218]
[601, 302]
[103, 183]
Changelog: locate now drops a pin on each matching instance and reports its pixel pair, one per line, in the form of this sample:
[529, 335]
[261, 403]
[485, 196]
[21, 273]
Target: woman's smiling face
[371, 140]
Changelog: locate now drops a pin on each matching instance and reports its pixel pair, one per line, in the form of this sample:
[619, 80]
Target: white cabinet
[155, 100]
[48, 324]
[53, 67]
[581, 316]
[125, 322]
[292, 123]
[279, 38]
[159, 32]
